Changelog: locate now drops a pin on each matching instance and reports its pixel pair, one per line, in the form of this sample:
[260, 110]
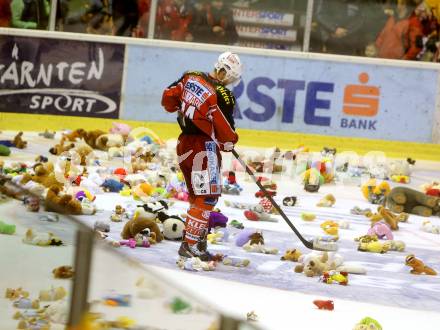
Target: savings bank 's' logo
[361, 100]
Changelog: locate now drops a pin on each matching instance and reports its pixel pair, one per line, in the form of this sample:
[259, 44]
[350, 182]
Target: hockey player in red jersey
[205, 116]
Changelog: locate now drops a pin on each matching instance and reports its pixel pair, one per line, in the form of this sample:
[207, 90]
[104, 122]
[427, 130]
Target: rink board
[280, 90]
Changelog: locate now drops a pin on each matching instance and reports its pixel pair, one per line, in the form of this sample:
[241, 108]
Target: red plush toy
[324, 304]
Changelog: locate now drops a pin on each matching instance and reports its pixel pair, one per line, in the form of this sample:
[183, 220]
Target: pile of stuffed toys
[84, 169]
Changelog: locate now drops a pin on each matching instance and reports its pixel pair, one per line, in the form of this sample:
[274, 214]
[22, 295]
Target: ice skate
[198, 250]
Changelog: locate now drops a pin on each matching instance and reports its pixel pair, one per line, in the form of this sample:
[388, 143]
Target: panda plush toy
[153, 210]
[173, 227]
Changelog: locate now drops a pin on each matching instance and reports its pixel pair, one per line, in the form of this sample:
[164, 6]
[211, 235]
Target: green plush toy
[403, 199]
[6, 229]
[368, 323]
[180, 306]
[4, 150]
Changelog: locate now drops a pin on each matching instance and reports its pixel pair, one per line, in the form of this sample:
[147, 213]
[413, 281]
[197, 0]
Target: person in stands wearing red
[205, 116]
[401, 37]
[5, 13]
[172, 20]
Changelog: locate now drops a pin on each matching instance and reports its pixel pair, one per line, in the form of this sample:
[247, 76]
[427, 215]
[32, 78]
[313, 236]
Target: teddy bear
[59, 148]
[308, 216]
[431, 189]
[13, 294]
[291, 255]
[91, 137]
[230, 185]
[18, 141]
[403, 199]
[418, 267]
[47, 134]
[333, 276]
[41, 239]
[428, 227]
[142, 222]
[195, 264]
[173, 227]
[393, 245]
[386, 215]
[43, 174]
[373, 246]
[138, 164]
[256, 244]
[330, 227]
[375, 193]
[381, 230]
[59, 203]
[83, 150]
[73, 135]
[63, 272]
[53, 294]
[314, 264]
[106, 141]
[254, 212]
[327, 201]
[120, 128]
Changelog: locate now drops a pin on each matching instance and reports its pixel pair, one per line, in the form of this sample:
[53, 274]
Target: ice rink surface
[281, 298]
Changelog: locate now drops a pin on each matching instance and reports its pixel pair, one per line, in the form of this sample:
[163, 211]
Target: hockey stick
[313, 245]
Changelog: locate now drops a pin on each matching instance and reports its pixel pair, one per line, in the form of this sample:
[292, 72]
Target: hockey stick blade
[312, 245]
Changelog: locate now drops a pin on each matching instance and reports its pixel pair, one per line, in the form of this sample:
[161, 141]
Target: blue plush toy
[112, 185]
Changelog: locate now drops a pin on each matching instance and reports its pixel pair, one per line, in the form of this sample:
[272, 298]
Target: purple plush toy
[381, 230]
[217, 219]
[243, 236]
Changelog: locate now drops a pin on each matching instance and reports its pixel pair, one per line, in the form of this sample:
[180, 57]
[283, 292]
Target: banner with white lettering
[60, 77]
[297, 94]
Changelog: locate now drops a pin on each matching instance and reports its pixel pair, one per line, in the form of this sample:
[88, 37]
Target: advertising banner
[60, 77]
[245, 15]
[266, 32]
[297, 95]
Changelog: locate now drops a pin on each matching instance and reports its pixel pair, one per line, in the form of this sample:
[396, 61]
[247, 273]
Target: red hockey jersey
[194, 96]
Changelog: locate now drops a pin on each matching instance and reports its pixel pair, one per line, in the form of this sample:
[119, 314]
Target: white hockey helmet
[230, 62]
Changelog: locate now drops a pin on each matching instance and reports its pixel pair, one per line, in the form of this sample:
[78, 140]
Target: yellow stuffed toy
[375, 192]
[291, 255]
[373, 246]
[330, 227]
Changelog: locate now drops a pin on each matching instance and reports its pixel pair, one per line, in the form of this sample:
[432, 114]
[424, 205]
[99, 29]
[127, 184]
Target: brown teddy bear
[418, 267]
[65, 204]
[44, 175]
[18, 141]
[63, 272]
[92, 136]
[292, 255]
[139, 223]
[59, 148]
[74, 135]
[403, 199]
[83, 150]
[106, 141]
[313, 265]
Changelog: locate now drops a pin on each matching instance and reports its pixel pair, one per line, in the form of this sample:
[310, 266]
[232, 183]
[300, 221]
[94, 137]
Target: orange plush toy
[418, 267]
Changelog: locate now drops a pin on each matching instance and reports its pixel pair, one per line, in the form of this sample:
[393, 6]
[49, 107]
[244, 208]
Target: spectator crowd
[394, 29]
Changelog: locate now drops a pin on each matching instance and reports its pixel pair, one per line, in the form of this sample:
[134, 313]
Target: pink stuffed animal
[131, 242]
[120, 128]
[381, 230]
[182, 196]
